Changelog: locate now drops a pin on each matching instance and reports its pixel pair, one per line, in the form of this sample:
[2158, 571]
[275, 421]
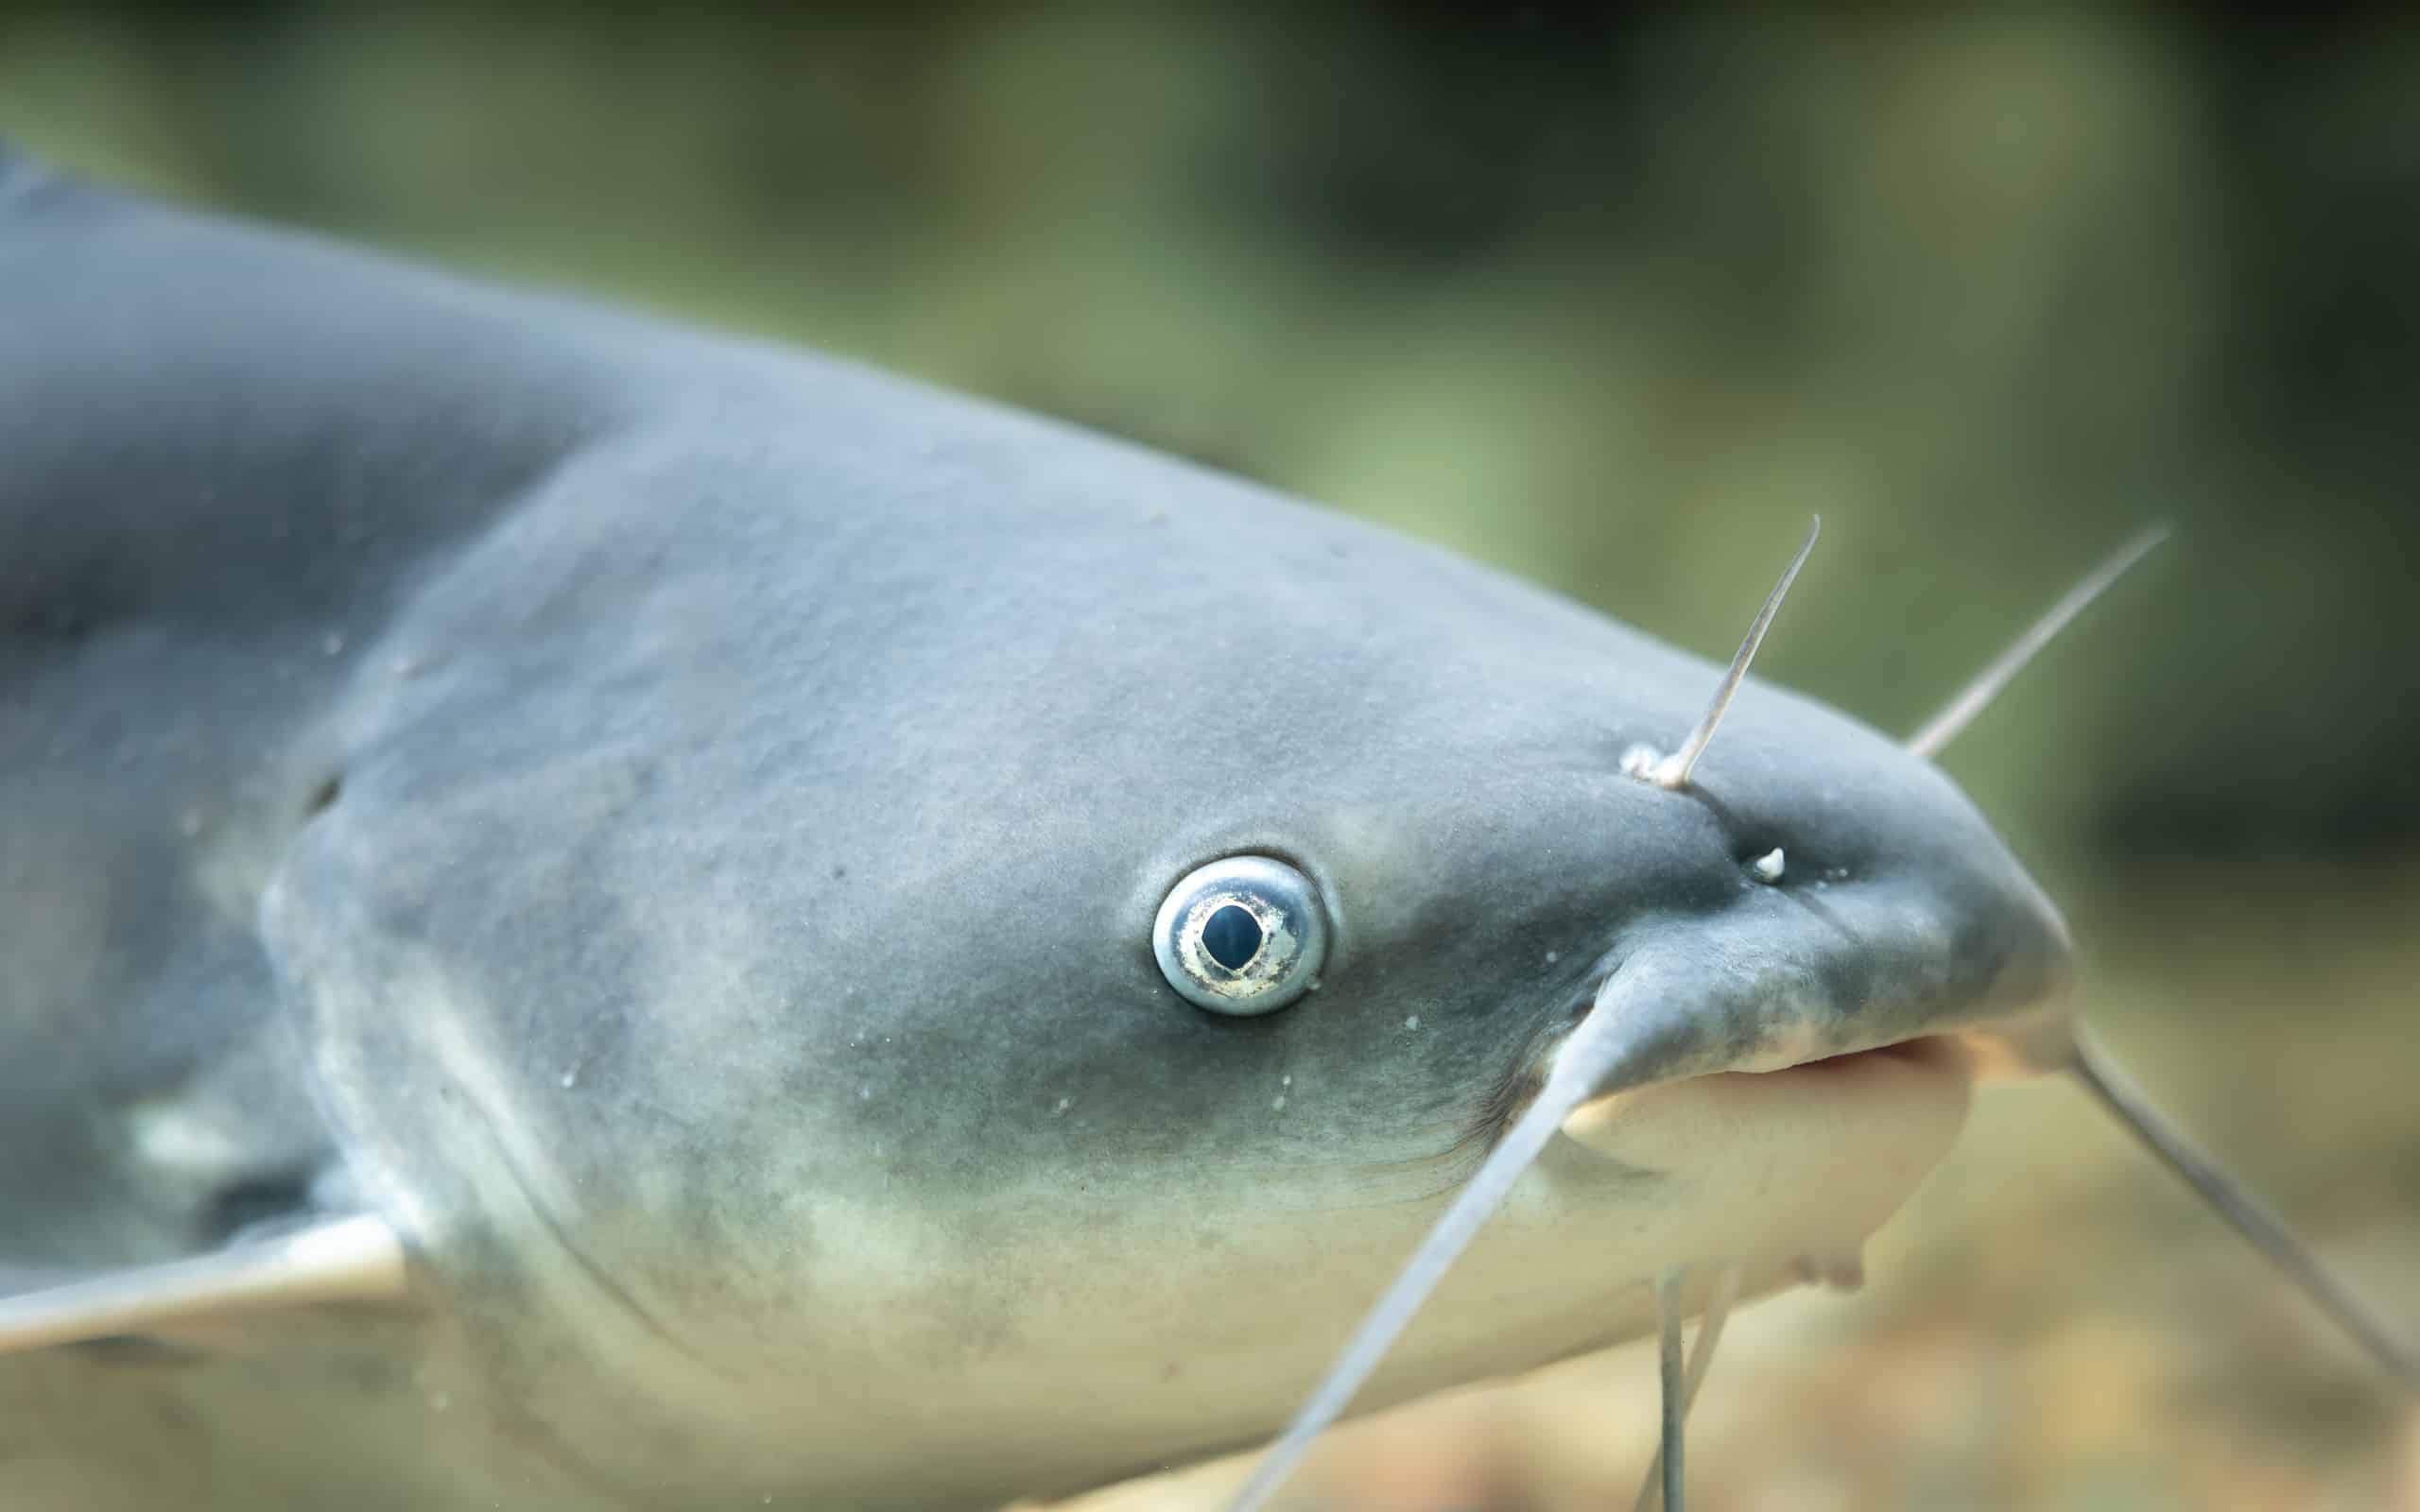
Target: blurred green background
[1617, 305]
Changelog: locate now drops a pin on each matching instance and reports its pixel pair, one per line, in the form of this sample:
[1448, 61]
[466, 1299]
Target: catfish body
[673, 825]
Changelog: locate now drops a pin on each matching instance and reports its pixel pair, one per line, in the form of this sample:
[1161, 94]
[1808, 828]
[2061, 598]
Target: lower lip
[1922, 1084]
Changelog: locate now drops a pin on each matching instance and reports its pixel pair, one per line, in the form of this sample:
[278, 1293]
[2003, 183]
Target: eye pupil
[1232, 938]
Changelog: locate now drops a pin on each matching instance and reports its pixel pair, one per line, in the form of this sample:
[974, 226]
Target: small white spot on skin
[1641, 760]
[1768, 867]
[1553, 957]
[1412, 1022]
[170, 1135]
[332, 643]
[571, 1078]
[1065, 1103]
[1285, 1081]
[865, 1094]
[1278, 1104]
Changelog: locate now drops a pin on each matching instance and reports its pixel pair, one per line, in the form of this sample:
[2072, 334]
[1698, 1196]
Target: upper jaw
[1781, 980]
[1782, 1023]
[1974, 974]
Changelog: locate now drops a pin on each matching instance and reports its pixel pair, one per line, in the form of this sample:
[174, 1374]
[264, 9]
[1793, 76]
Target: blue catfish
[599, 914]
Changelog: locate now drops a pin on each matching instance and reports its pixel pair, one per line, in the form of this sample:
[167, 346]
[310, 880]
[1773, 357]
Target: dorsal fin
[342, 1260]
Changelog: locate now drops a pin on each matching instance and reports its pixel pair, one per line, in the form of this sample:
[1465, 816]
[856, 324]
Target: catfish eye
[1241, 936]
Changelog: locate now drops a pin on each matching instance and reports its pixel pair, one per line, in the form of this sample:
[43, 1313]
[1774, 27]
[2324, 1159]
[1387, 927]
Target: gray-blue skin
[674, 826]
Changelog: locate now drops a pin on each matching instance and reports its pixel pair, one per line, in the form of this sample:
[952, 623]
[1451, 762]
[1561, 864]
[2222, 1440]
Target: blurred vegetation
[1617, 306]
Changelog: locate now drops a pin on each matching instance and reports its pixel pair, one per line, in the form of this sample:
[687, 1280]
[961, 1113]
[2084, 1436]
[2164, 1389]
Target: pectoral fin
[341, 1259]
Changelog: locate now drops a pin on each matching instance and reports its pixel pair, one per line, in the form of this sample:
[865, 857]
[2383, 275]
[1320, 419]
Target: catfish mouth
[1867, 1083]
[1931, 1054]
[1939, 1051]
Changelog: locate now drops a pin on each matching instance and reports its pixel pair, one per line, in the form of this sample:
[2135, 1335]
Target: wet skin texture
[675, 825]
